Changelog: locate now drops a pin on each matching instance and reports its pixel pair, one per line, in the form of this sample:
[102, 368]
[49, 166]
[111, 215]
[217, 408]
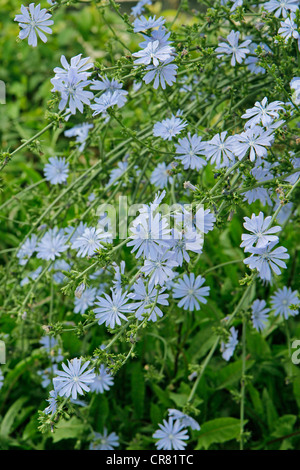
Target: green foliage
[251, 401]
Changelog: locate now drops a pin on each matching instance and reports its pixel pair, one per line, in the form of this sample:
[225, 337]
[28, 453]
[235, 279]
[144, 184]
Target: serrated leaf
[217, 431]
[71, 429]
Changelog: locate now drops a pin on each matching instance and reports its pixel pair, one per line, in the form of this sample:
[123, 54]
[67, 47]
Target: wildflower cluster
[151, 239]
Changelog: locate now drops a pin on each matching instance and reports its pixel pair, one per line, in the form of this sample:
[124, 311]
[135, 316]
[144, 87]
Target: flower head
[265, 260]
[34, 21]
[112, 308]
[52, 244]
[185, 420]
[262, 234]
[259, 314]
[74, 379]
[262, 113]
[232, 47]
[103, 380]
[169, 127]
[89, 242]
[282, 301]
[190, 292]
[142, 23]
[86, 300]
[57, 170]
[281, 7]
[189, 148]
[144, 299]
[162, 74]
[171, 435]
[229, 348]
[27, 250]
[104, 441]
[153, 52]
[219, 150]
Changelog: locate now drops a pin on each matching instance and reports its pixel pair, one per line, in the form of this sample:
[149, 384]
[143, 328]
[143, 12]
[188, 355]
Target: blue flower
[228, 348]
[142, 23]
[73, 233]
[281, 6]
[186, 240]
[219, 150]
[168, 128]
[48, 342]
[266, 261]
[116, 173]
[252, 61]
[86, 300]
[111, 86]
[71, 87]
[77, 64]
[52, 400]
[261, 232]
[34, 21]
[295, 85]
[145, 299]
[154, 52]
[150, 234]
[282, 301]
[161, 176]
[161, 74]
[189, 149]
[59, 265]
[262, 194]
[57, 170]
[204, 220]
[104, 441]
[232, 47]
[81, 132]
[161, 35]
[139, 7]
[160, 269]
[105, 101]
[255, 140]
[74, 379]
[111, 309]
[27, 250]
[47, 374]
[103, 380]
[89, 242]
[259, 314]
[262, 113]
[171, 435]
[33, 275]
[190, 292]
[52, 244]
[184, 419]
[1, 379]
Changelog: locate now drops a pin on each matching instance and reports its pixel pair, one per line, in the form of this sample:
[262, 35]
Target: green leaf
[99, 411]
[156, 414]
[137, 389]
[71, 429]
[11, 415]
[231, 374]
[217, 431]
[162, 396]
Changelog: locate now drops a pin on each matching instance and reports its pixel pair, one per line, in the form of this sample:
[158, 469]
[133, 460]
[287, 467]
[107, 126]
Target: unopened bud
[79, 290]
[189, 185]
